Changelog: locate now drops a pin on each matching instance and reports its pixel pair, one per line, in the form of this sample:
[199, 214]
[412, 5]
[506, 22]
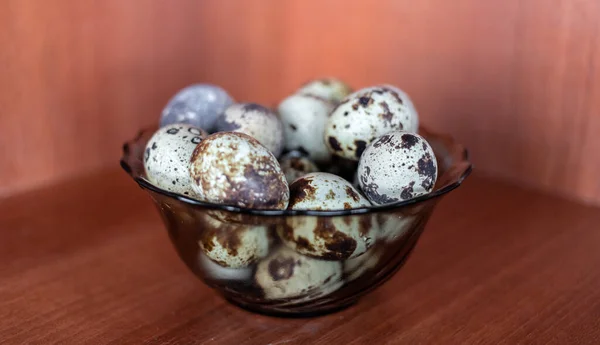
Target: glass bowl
[280, 280]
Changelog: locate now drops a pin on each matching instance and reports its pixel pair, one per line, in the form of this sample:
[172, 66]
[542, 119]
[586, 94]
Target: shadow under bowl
[249, 256]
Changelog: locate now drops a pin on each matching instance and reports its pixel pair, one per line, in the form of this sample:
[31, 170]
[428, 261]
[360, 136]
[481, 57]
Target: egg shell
[331, 89]
[356, 267]
[304, 117]
[198, 105]
[364, 116]
[295, 166]
[233, 245]
[214, 271]
[409, 104]
[329, 238]
[167, 156]
[287, 274]
[235, 169]
[257, 121]
[397, 166]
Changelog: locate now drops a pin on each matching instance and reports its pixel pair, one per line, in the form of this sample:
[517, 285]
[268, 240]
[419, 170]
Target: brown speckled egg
[167, 156]
[364, 116]
[397, 166]
[235, 169]
[257, 121]
[331, 89]
[330, 238]
[233, 245]
[304, 118]
[294, 166]
[287, 274]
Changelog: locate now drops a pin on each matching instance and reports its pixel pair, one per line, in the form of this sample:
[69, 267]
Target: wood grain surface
[517, 81]
[88, 262]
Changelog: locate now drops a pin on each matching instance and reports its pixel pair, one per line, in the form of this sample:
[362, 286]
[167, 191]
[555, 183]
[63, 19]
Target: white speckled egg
[294, 166]
[304, 118]
[331, 89]
[198, 105]
[232, 244]
[257, 121]
[235, 169]
[397, 166]
[364, 116]
[287, 274]
[215, 271]
[330, 238]
[167, 157]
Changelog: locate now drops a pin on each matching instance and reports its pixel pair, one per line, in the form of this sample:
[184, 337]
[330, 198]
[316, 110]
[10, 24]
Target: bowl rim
[145, 184]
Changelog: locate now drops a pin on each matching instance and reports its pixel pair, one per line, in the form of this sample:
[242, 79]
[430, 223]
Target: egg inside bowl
[273, 261]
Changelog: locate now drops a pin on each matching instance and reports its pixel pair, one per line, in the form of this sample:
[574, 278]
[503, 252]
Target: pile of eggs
[325, 147]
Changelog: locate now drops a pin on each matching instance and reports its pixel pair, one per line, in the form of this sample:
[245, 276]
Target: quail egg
[329, 238]
[167, 156]
[197, 105]
[364, 116]
[304, 117]
[235, 169]
[287, 274]
[331, 89]
[233, 245]
[397, 166]
[295, 165]
[255, 120]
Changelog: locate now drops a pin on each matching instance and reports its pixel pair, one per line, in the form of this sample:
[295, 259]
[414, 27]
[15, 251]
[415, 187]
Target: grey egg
[329, 238]
[331, 89]
[304, 117]
[198, 105]
[167, 156]
[235, 169]
[397, 166]
[257, 121]
[364, 116]
[294, 166]
[233, 245]
[287, 274]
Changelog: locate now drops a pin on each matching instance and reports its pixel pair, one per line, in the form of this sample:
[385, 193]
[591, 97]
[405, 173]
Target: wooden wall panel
[517, 81]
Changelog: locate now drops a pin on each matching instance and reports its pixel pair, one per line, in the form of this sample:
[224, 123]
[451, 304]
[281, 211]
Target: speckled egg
[294, 165]
[257, 121]
[287, 274]
[364, 116]
[235, 169]
[397, 166]
[167, 156]
[329, 238]
[304, 118]
[214, 271]
[331, 89]
[233, 245]
[197, 105]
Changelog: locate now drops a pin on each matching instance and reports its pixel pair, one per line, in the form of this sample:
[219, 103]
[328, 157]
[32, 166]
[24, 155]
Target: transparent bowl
[280, 280]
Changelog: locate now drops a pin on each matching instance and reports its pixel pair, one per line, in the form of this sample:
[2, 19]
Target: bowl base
[290, 312]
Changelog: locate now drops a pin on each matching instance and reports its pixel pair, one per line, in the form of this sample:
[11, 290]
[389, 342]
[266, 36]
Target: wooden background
[516, 81]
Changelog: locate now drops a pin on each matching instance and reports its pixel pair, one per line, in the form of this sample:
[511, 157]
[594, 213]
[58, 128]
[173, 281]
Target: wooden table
[89, 262]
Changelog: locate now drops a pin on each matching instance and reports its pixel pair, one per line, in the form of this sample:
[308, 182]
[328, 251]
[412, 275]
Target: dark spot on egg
[173, 131]
[281, 268]
[407, 192]
[154, 146]
[347, 206]
[334, 144]
[196, 140]
[194, 131]
[387, 115]
[339, 245]
[330, 195]
[147, 155]
[293, 127]
[360, 147]
[408, 141]
[352, 194]
[347, 126]
[346, 113]
[301, 190]
[383, 140]
[365, 101]
[255, 107]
